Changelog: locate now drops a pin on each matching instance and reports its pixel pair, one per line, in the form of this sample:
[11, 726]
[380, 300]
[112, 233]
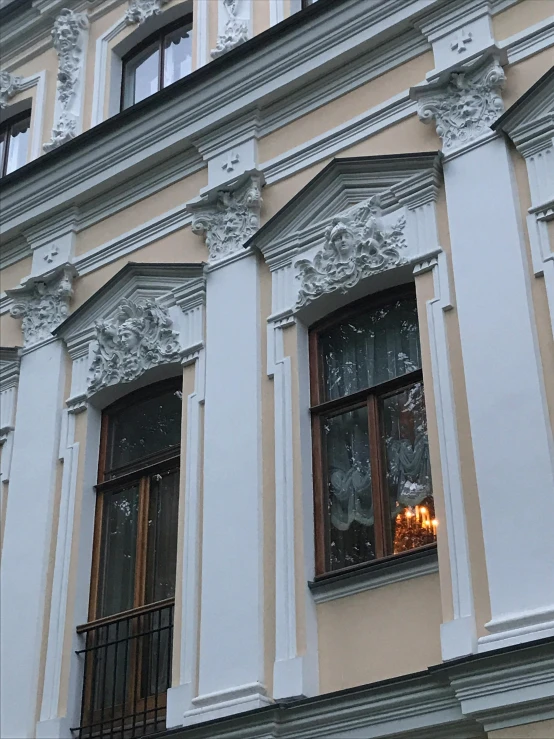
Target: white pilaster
[511, 433]
[28, 532]
[9, 375]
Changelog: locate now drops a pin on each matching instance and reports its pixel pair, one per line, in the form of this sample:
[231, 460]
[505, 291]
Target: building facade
[277, 376]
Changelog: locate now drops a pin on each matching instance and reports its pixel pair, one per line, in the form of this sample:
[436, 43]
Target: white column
[28, 535]
[512, 438]
[231, 626]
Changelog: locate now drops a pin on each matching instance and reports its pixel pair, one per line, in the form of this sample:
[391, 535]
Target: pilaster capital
[228, 216]
[43, 303]
[68, 35]
[463, 102]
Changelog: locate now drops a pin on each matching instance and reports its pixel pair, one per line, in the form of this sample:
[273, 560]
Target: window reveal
[372, 478]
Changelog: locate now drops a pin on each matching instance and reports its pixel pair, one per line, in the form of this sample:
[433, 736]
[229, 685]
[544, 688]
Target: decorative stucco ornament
[68, 35]
[42, 304]
[137, 338]
[231, 220]
[464, 105]
[10, 84]
[141, 10]
[357, 244]
[235, 31]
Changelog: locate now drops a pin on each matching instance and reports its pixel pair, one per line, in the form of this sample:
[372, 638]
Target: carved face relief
[357, 244]
[137, 338]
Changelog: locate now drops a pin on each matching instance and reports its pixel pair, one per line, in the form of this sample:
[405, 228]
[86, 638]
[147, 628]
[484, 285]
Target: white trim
[276, 11]
[454, 642]
[101, 70]
[200, 22]
[368, 580]
[530, 41]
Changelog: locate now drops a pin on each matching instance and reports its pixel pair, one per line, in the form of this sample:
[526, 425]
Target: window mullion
[380, 529]
[142, 542]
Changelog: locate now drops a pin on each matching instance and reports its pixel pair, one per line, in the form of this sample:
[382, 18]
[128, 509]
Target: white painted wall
[27, 536]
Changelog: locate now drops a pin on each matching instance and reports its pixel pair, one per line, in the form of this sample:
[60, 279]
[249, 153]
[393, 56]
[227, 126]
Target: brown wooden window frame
[5, 131]
[160, 37]
[372, 398]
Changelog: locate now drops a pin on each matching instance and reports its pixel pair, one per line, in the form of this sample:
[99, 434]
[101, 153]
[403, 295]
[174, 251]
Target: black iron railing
[127, 671]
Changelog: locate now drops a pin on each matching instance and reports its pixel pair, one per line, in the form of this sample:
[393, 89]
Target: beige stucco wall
[519, 17]
[521, 76]
[535, 730]
[139, 213]
[12, 275]
[379, 634]
[347, 106]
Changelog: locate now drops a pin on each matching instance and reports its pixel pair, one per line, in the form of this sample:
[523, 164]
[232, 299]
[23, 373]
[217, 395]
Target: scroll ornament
[10, 85]
[231, 220]
[141, 10]
[466, 106]
[137, 338]
[43, 307]
[68, 37]
[357, 244]
[234, 33]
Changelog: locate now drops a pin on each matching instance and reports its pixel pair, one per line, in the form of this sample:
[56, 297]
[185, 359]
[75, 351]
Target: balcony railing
[127, 671]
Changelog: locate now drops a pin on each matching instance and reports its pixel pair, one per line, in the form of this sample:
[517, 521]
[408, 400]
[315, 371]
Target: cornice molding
[463, 102]
[229, 215]
[43, 303]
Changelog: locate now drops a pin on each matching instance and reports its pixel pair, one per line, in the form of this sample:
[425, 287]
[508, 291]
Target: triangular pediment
[165, 283]
[532, 114]
[343, 184]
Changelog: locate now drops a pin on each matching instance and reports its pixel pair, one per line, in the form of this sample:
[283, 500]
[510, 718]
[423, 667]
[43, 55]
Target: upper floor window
[297, 5]
[372, 478]
[158, 61]
[14, 142]
[127, 659]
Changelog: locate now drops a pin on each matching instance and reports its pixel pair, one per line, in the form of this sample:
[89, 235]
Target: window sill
[375, 575]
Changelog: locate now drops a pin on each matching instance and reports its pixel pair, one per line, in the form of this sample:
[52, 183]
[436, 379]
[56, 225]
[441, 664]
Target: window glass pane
[118, 553]
[370, 348]
[142, 75]
[18, 145]
[162, 536]
[148, 427]
[408, 471]
[349, 494]
[177, 54]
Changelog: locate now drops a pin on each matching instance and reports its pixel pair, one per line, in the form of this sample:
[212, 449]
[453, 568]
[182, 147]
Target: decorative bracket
[141, 10]
[9, 86]
[235, 31]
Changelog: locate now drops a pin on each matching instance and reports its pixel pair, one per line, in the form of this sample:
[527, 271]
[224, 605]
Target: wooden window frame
[139, 472]
[372, 398]
[5, 131]
[158, 36]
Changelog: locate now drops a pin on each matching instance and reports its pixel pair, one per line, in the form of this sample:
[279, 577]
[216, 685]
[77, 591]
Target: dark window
[158, 61]
[129, 637]
[372, 479]
[14, 142]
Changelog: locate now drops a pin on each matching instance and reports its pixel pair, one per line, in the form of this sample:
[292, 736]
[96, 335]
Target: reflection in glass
[348, 475]
[148, 427]
[162, 536]
[142, 75]
[118, 553]
[408, 471]
[370, 348]
[18, 145]
[177, 55]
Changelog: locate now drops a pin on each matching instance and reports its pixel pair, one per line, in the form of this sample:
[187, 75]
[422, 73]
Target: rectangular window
[14, 142]
[128, 640]
[372, 478]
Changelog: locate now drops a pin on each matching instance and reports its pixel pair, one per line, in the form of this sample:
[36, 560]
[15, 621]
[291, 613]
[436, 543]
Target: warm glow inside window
[158, 61]
[14, 142]
[373, 490]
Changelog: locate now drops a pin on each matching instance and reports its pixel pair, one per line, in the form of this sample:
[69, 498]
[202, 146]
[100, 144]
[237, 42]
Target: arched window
[372, 478]
[159, 60]
[14, 142]
[127, 659]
